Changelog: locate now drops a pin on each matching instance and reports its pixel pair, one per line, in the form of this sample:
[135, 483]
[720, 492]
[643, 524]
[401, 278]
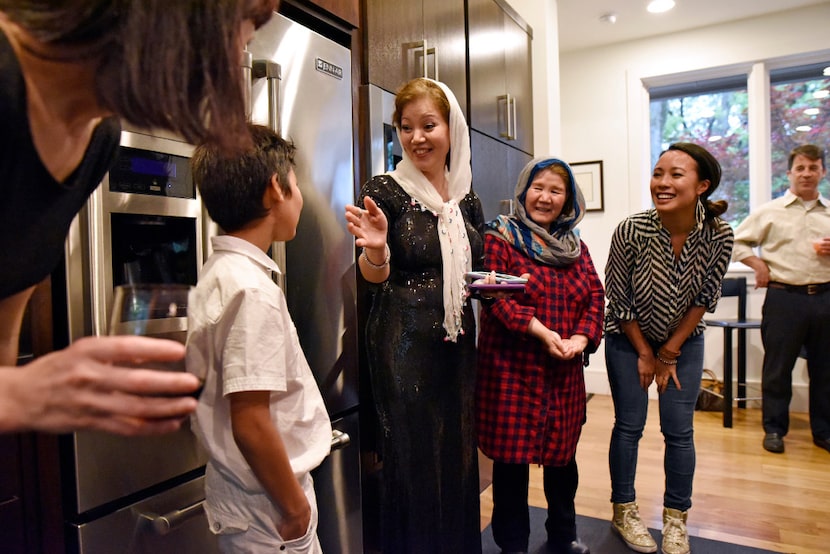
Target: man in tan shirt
[793, 263]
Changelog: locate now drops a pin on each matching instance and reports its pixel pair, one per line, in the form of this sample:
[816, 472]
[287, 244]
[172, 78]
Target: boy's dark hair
[232, 188]
[809, 151]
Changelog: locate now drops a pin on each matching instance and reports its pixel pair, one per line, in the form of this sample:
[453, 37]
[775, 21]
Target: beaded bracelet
[667, 362]
[373, 264]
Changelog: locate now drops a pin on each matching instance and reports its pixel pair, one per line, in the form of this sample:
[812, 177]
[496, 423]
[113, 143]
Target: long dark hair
[708, 168]
[167, 64]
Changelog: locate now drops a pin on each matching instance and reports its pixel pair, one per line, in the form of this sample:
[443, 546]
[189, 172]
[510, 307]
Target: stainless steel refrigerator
[301, 86]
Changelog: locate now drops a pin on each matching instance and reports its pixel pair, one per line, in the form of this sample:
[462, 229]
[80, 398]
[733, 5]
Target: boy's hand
[295, 526]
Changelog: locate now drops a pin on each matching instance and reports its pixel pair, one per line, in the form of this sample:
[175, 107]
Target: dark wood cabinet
[501, 95]
[12, 535]
[347, 10]
[417, 38]
[23, 489]
[496, 168]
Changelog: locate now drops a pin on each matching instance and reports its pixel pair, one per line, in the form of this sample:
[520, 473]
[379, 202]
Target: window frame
[707, 87]
[758, 97]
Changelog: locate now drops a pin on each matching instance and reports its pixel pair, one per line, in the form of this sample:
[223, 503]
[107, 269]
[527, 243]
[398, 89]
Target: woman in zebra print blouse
[664, 272]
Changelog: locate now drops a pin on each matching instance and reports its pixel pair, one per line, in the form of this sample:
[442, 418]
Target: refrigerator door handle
[247, 81]
[272, 72]
[164, 524]
[339, 440]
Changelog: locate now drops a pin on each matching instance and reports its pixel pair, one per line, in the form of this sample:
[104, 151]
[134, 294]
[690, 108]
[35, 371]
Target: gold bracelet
[372, 264]
[666, 353]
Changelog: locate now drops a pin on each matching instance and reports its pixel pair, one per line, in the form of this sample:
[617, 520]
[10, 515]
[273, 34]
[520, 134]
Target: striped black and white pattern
[644, 280]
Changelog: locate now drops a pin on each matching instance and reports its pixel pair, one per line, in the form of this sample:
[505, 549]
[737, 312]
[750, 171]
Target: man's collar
[790, 197]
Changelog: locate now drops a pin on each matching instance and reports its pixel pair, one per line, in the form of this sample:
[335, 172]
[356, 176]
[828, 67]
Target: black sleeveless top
[35, 209]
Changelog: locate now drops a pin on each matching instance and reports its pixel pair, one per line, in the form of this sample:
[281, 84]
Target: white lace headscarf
[452, 234]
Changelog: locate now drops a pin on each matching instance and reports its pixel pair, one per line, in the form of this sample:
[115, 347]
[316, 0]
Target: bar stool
[734, 286]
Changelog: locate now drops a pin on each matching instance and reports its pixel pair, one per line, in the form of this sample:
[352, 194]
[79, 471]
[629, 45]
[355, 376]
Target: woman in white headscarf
[421, 228]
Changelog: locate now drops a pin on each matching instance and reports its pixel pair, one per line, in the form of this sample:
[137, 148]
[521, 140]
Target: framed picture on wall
[588, 176]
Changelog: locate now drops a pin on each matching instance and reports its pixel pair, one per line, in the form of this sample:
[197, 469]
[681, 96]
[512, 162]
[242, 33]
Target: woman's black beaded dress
[423, 385]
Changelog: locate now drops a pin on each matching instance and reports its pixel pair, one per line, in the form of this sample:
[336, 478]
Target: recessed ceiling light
[827, 71]
[803, 128]
[609, 17]
[811, 111]
[660, 6]
[715, 138]
[821, 94]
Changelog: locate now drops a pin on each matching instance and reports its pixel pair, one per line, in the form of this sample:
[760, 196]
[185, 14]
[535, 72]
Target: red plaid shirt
[530, 406]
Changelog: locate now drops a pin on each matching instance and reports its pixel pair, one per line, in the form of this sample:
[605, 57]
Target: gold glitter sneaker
[631, 529]
[675, 535]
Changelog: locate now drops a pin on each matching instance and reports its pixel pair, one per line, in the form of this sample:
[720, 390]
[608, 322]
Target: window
[799, 114]
[715, 114]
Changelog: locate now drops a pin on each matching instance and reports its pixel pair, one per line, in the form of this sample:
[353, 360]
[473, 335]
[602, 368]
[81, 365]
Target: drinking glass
[151, 310]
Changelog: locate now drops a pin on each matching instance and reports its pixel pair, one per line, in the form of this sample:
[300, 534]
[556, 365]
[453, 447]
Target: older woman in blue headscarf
[532, 348]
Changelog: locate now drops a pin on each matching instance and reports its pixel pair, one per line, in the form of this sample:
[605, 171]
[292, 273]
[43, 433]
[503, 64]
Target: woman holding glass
[69, 71]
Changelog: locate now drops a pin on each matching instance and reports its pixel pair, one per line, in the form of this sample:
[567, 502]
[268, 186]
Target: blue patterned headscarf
[560, 246]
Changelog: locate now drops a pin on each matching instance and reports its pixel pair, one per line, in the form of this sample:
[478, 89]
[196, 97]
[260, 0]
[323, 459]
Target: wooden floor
[742, 493]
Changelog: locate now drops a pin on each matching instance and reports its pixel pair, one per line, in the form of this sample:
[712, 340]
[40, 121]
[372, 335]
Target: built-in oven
[144, 224]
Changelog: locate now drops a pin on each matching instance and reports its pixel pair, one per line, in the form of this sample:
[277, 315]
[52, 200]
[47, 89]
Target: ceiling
[580, 27]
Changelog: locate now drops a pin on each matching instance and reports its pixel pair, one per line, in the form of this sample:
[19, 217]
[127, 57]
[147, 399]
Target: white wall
[604, 116]
[541, 16]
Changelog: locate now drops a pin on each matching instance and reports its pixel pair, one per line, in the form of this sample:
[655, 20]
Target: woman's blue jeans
[677, 408]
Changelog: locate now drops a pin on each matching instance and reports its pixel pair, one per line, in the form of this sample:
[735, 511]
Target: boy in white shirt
[260, 416]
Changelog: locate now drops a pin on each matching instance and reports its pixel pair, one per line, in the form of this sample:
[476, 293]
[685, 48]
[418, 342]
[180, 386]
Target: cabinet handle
[515, 132]
[426, 51]
[434, 52]
[499, 99]
[164, 524]
[509, 114]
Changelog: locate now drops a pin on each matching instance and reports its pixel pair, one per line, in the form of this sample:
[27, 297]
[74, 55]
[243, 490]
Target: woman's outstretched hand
[368, 225]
